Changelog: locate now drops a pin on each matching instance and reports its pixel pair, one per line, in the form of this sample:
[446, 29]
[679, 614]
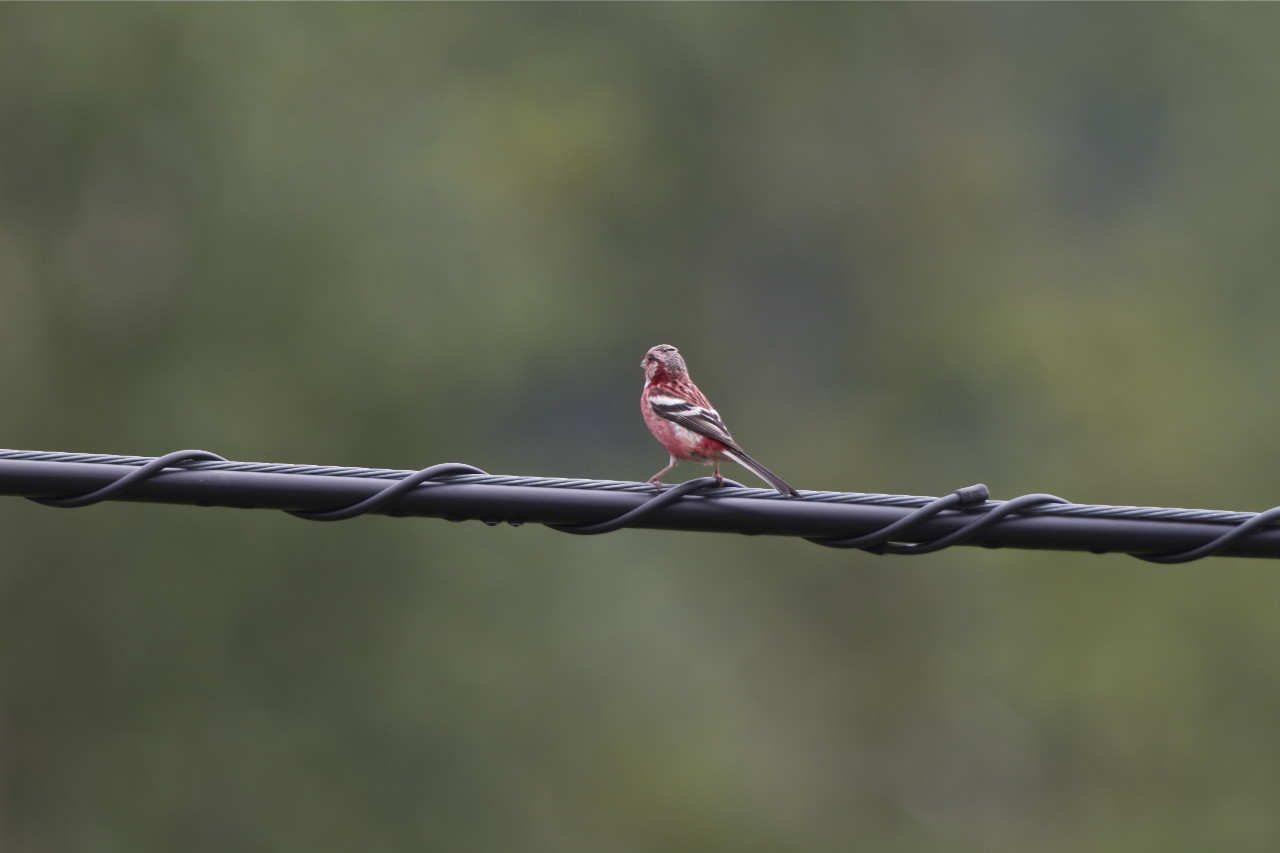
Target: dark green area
[904, 248]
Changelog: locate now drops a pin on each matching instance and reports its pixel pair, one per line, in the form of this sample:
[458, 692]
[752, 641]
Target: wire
[878, 523]
[878, 542]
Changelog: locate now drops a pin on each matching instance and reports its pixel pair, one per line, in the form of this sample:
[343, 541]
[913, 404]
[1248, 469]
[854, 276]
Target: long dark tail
[762, 472]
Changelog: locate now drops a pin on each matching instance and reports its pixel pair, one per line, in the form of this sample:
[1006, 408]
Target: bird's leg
[715, 472]
[654, 479]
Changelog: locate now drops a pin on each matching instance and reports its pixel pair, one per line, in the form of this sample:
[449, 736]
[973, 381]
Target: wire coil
[902, 536]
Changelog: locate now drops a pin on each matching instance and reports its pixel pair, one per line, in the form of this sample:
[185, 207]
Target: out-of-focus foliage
[905, 248]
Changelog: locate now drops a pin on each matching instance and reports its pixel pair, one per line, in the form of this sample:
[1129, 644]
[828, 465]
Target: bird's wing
[700, 419]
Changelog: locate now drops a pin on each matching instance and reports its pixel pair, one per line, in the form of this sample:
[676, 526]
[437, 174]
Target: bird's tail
[762, 472]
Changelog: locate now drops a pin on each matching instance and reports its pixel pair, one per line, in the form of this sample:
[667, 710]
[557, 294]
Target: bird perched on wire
[682, 419]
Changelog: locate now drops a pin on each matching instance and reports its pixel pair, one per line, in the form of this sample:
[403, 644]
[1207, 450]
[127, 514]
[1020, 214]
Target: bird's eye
[650, 357]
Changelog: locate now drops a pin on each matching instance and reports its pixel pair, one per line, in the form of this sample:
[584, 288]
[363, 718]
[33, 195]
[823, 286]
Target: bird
[683, 421]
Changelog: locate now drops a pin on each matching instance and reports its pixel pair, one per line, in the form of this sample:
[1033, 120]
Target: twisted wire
[973, 499]
[1147, 513]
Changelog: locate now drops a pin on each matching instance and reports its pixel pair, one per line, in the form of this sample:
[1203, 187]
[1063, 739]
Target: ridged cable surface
[401, 481]
[1070, 509]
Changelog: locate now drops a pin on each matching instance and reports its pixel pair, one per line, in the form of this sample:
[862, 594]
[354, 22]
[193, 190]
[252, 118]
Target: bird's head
[661, 361]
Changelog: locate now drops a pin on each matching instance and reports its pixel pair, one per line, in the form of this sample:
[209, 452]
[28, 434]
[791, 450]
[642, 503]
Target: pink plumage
[683, 421]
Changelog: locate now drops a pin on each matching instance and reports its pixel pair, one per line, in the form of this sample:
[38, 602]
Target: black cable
[146, 472]
[883, 524]
[973, 528]
[387, 495]
[878, 541]
[1221, 543]
[646, 509]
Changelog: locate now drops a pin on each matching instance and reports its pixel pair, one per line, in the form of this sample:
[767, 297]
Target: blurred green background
[904, 248]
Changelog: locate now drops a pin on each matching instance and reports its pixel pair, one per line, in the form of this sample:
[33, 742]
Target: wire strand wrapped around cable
[878, 523]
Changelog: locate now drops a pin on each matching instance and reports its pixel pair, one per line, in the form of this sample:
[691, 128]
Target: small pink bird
[681, 418]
